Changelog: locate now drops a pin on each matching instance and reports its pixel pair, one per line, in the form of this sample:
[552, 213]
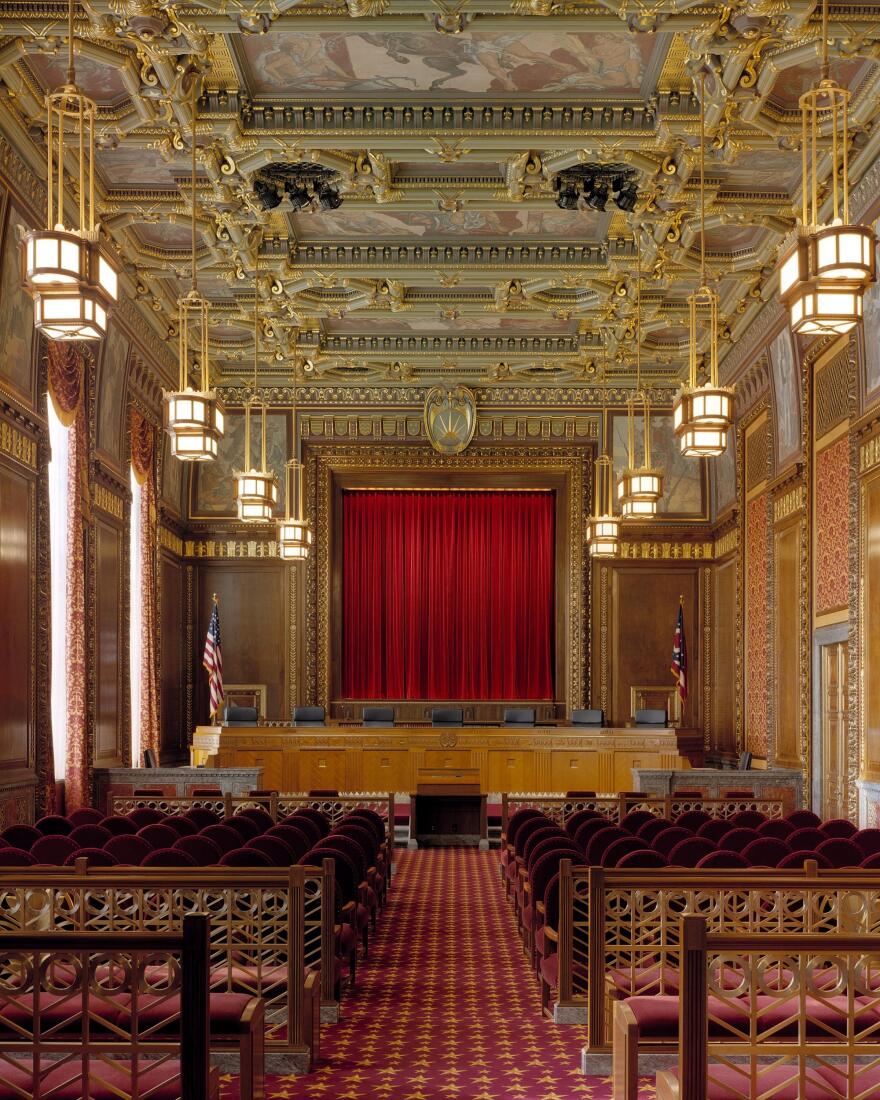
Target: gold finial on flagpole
[681, 600]
[215, 597]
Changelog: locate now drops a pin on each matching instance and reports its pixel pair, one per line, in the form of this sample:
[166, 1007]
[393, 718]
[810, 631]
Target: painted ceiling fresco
[498, 224]
[100, 81]
[507, 62]
[489, 322]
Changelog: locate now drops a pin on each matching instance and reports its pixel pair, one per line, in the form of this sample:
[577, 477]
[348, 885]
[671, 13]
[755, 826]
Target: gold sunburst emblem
[450, 418]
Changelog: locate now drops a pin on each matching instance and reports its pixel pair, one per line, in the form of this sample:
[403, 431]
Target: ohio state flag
[679, 656]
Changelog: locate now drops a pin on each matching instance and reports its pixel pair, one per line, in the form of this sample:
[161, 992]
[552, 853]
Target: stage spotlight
[598, 196]
[266, 194]
[299, 197]
[329, 199]
[567, 198]
[627, 198]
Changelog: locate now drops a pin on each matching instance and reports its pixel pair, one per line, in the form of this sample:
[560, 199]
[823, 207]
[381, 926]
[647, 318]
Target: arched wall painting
[211, 496]
[16, 312]
[110, 404]
[871, 345]
[683, 483]
[786, 373]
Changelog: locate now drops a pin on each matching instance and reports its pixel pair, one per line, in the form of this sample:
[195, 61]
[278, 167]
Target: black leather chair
[519, 716]
[241, 716]
[308, 716]
[447, 716]
[651, 718]
[378, 716]
[588, 717]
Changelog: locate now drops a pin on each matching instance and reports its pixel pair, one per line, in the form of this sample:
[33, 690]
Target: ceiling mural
[511, 62]
[498, 224]
[488, 322]
[99, 80]
[447, 233]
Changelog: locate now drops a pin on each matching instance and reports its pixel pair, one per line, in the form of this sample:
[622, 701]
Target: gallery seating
[124, 984]
[802, 1042]
[534, 840]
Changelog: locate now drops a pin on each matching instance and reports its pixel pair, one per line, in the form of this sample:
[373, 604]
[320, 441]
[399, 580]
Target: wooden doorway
[832, 727]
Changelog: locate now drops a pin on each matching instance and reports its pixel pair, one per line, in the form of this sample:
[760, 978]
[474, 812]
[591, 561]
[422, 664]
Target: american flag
[680, 657]
[213, 661]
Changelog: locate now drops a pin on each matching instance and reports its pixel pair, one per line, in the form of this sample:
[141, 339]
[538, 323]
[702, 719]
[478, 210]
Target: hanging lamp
[194, 419]
[703, 414]
[639, 488]
[603, 527]
[256, 490]
[294, 531]
[829, 264]
[68, 273]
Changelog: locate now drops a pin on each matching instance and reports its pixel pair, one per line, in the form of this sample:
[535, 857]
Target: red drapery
[67, 386]
[143, 460]
[448, 595]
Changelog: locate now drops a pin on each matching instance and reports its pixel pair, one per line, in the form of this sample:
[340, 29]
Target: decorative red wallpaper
[757, 625]
[832, 527]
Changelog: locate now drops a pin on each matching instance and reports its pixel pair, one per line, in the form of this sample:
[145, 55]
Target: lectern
[448, 809]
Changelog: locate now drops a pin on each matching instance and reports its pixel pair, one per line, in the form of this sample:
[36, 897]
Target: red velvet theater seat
[204, 851]
[90, 836]
[53, 850]
[225, 838]
[664, 842]
[20, 836]
[689, 852]
[723, 857]
[85, 815]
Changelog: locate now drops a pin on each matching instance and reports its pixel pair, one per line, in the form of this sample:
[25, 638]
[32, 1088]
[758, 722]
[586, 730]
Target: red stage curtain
[448, 595]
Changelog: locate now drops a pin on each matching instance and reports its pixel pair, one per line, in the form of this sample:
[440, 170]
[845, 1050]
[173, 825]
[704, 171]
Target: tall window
[58, 502]
[136, 624]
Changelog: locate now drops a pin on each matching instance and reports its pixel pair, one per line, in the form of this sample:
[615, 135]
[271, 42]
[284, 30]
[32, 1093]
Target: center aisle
[445, 1006]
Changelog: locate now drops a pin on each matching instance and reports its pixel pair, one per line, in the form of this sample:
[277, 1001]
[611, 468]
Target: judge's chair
[519, 716]
[447, 716]
[308, 716]
[241, 716]
[591, 716]
[651, 719]
[378, 716]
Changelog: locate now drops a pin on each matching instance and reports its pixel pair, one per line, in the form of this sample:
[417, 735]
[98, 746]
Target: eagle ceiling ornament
[450, 418]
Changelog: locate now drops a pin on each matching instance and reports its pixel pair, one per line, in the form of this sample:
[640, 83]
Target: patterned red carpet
[446, 1006]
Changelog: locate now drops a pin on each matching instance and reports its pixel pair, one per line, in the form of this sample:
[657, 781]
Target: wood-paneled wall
[110, 643]
[19, 570]
[254, 600]
[725, 640]
[172, 659]
[635, 607]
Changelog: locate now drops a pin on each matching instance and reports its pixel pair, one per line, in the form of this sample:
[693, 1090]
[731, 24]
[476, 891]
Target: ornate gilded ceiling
[446, 123]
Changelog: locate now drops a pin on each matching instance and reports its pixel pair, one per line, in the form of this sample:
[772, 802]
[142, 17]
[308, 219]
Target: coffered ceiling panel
[444, 136]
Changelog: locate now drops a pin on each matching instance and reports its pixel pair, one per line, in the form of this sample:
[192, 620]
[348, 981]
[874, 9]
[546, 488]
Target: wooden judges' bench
[543, 758]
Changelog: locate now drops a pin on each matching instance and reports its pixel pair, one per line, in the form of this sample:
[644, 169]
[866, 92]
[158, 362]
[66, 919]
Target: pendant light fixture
[193, 418]
[703, 414]
[603, 527]
[256, 490]
[294, 531]
[639, 489]
[829, 265]
[68, 273]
